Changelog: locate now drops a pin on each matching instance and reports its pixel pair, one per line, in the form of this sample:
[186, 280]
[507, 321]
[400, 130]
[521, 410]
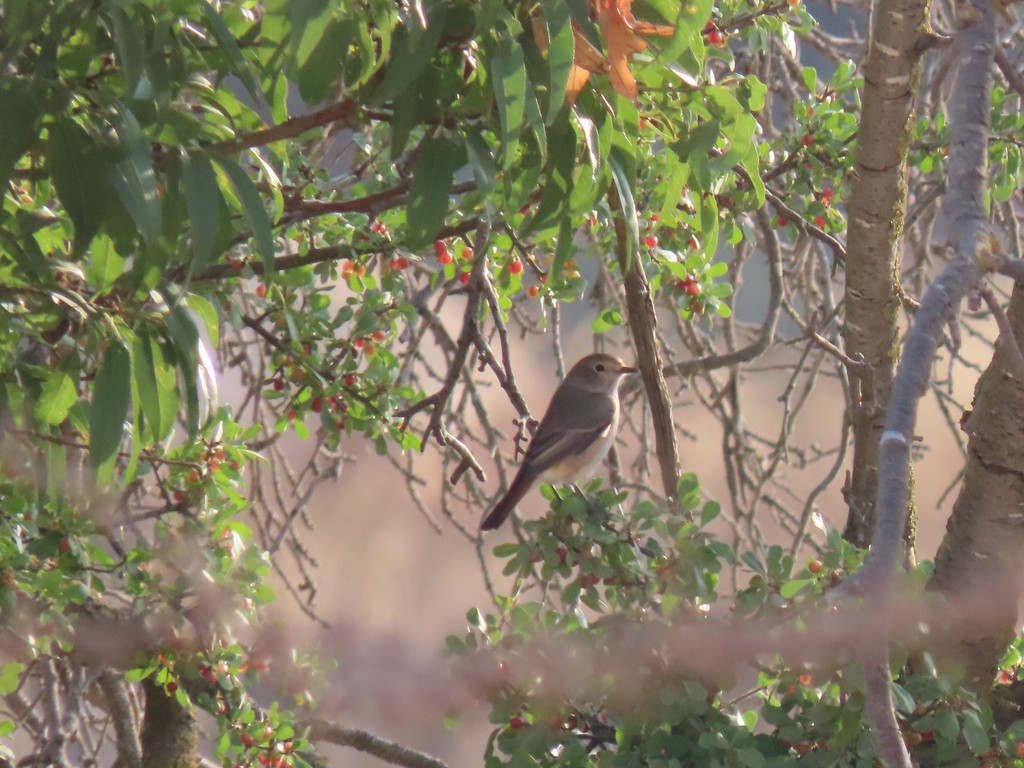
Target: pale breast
[582, 466]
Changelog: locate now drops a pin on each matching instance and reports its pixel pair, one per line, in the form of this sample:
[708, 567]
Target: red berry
[691, 287]
[807, 140]
[440, 247]
[467, 253]
[261, 291]
[358, 343]
[651, 241]
[379, 335]
[694, 244]
[316, 405]
[347, 268]
[827, 195]
[445, 257]
[247, 739]
[515, 267]
[820, 222]
[291, 415]
[464, 278]
[401, 263]
[781, 221]
[516, 723]
[178, 496]
[171, 687]
[278, 384]
[716, 38]
[350, 379]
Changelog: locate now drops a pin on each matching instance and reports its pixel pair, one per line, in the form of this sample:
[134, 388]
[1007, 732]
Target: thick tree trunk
[876, 208]
[169, 738]
[978, 564]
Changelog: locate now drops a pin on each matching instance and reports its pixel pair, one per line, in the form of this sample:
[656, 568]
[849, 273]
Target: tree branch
[643, 324]
[339, 111]
[364, 741]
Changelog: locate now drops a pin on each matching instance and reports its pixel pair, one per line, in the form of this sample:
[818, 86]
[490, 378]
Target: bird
[575, 434]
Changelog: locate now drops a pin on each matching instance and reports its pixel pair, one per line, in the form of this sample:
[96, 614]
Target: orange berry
[533, 291]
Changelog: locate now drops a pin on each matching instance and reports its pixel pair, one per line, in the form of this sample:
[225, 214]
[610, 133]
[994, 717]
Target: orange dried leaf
[540, 33]
[578, 77]
[646, 28]
[586, 55]
[619, 27]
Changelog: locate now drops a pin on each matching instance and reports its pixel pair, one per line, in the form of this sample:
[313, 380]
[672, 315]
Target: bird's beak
[628, 369]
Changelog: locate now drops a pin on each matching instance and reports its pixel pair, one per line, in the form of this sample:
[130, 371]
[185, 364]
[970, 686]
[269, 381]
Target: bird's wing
[574, 419]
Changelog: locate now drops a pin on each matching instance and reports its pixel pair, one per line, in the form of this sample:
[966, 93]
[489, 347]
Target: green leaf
[412, 49]
[240, 67]
[252, 208]
[130, 42]
[60, 392]
[105, 264]
[791, 588]
[206, 311]
[559, 172]
[618, 162]
[156, 394]
[318, 72]
[431, 185]
[481, 160]
[133, 177]
[974, 733]
[79, 175]
[608, 319]
[111, 396]
[561, 50]
[202, 200]
[10, 674]
[19, 123]
[508, 75]
[185, 338]
[810, 76]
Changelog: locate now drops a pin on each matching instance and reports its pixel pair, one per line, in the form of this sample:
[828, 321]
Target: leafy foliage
[285, 196]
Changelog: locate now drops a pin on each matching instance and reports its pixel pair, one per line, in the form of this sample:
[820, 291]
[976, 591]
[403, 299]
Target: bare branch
[364, 741]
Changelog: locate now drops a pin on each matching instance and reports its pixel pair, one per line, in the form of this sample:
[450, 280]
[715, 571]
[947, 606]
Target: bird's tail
[520, 485]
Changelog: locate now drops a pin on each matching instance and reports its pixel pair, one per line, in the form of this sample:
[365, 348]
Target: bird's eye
[599, 367]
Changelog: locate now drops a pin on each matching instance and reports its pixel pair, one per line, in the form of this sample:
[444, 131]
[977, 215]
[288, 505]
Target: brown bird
[575, 434]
